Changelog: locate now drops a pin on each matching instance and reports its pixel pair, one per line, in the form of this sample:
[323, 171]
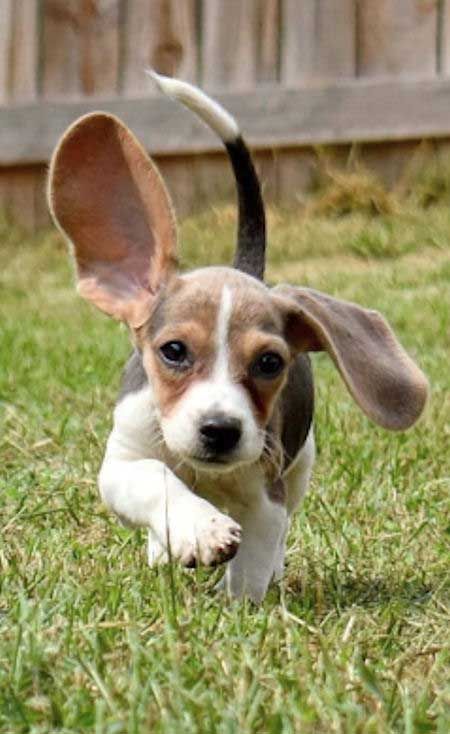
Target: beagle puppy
[212, 445]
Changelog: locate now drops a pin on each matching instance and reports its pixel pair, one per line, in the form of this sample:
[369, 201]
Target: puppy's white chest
[136, 434]
[232, 492]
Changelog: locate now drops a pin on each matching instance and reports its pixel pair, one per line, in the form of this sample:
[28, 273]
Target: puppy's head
[216, 343]
[215, 348]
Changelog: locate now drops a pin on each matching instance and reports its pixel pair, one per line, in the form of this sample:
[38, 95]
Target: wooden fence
[295, 72]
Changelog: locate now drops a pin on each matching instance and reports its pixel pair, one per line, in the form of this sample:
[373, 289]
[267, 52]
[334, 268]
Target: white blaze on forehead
[217, 394]
[221, 370]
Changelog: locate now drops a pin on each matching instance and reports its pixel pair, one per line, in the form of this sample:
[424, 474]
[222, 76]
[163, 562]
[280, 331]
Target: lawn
[356, 637]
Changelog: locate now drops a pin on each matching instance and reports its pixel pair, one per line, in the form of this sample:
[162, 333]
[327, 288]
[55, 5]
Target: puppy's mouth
[213, 463]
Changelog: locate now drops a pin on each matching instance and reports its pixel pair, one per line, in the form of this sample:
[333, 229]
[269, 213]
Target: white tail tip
[210, 111]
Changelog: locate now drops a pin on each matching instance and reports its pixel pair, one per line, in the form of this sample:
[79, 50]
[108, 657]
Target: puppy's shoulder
[134, 377]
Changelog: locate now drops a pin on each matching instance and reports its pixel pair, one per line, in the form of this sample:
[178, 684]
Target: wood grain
[318, 40]
[18, 194]
[161, 34]
[6, 8]
[205, 180]
[80, 48]
[240, 43]
[295, 171]
[19, 189]
[268, 40]
[350, 111]
[60, 58]
[229, 44]
[41, 212]
[443, 61]
[24, 51]
[22, 196]
[397, 38]
[285, 68]
[98, 25]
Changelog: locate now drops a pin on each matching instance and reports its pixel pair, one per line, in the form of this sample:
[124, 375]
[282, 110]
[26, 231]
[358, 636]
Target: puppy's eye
[175, 354]
[267, 366]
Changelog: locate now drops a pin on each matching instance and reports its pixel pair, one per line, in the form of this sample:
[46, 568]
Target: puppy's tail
[251, 236]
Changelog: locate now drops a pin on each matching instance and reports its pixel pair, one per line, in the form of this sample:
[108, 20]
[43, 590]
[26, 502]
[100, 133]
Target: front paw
[217, 539]
[211, 540]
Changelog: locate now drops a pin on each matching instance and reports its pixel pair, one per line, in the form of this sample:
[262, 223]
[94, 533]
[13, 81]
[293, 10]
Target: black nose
[220, 434]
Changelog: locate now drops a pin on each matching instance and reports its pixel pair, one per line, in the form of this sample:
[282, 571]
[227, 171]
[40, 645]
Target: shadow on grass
[344, 590]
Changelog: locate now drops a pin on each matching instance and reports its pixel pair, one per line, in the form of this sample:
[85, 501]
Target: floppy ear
[107, 197]
[379, 374]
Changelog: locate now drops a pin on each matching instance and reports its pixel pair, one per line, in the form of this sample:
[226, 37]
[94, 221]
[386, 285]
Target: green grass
[356, 637]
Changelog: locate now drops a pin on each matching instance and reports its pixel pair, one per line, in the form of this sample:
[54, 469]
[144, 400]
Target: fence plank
[287, 175]
[24, 51]
[350, 111]
[22, 196]
[196, 180]
[19, 192]
[163, 35]
[42, 214]
[397, 37]
[18, 188]
[99, 48]
[81, 47]
[229, 58]
[268, 36]
[295, 171]
[60, 72]
[140, 36]
[6, 7]
[318, 40]
[444, 38]
[242, 48]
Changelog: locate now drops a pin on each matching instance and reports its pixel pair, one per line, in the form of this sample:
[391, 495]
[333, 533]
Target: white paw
[254, 589]
[157, 554]
[217, 540]
[236, 589]
[213, 539]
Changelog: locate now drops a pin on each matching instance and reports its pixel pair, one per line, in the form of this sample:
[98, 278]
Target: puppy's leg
[250, 572]
[280, 556]
[157, 553]
[182, 525]
[298, 475]
[297, 481]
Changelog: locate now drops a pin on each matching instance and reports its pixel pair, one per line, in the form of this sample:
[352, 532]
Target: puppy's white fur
[221, 367]
[156, 471]
[136, 483]
[152, 475]
[217, 394]
[138, 486]
[210, 111]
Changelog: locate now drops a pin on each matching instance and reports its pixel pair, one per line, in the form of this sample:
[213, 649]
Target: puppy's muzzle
[219, 436]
